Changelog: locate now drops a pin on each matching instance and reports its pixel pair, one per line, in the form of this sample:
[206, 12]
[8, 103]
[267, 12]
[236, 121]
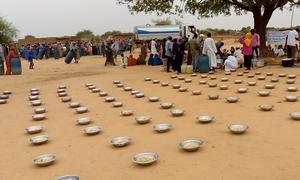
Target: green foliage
[29, 37]
[87, 34]
[110, 34]
[225, 31]
[162, 22]
[7, 32]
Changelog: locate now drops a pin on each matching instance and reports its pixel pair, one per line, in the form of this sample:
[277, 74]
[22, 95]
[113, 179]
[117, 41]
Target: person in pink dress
[255, 43]
[247, 50]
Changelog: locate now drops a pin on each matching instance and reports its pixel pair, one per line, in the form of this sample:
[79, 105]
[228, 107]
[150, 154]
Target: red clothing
[10, 55]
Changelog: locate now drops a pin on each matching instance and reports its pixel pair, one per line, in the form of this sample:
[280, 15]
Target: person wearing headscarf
[11, 54]
[153, 47]
[230, 63]
[247, 50]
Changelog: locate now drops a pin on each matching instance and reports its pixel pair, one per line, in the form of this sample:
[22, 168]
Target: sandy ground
[268, 151]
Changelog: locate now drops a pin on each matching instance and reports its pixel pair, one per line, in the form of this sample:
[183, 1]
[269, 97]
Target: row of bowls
[4, 96]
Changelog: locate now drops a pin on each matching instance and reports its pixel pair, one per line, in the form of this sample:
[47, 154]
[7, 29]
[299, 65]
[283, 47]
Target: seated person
[124, 61]
[230, 63]
[157, 61]
[151, 60]
[239, 56]
[279, 52]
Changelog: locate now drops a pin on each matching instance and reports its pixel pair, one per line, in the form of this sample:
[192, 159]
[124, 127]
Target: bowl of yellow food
[145, 158]
[44, 160]
[191, 145]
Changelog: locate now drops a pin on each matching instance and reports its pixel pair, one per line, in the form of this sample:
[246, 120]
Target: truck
[148, 32]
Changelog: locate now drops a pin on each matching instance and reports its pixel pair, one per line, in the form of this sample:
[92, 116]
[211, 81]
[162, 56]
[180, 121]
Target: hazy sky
[66, 17]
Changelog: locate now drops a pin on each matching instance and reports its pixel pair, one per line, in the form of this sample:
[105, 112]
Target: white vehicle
[161, 32]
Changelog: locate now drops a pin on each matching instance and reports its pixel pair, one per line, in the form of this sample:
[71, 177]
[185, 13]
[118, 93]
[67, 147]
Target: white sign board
[277, 37]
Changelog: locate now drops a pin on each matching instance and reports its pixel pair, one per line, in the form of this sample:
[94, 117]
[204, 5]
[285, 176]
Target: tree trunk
[260, 24]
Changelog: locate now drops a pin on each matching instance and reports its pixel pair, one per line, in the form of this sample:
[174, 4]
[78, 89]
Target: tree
[262, 10]
[7, 32]
[162, 22]
[87, 34]
[29, 37]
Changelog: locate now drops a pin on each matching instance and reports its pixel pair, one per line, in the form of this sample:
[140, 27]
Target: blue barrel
[69, 57]
[202, 64]
[16, 67]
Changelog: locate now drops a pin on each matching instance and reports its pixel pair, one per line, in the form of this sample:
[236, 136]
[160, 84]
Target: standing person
[124, 61]
[210, 49]
[255, 43]
[193, 48]
[109, 55]
[11, 54]
[116, 49]
[2, 59]
[153, 47]
[169, 53]
[130, 45]
[291, 42]
[179, 54]
[247, 50]
[30, 58]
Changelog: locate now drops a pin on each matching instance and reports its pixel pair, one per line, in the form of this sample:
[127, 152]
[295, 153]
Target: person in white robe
[210, 49]
[153, 47]
[231, 63]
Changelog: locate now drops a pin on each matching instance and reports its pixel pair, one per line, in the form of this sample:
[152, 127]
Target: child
[30, 58]
[124, 60]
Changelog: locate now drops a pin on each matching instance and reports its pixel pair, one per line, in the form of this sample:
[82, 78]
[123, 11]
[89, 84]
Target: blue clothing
[30, 57]
[168, 47]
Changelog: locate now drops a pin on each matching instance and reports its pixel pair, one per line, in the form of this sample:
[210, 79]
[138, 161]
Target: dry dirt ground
[268, 151]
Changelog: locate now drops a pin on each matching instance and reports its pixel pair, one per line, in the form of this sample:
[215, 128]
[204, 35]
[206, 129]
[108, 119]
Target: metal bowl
[6, 92]
[103, 94]
[270, 86]
[252, 83]
[166, 105]
[205, 119]
[274, 80]
[60, 90]
[109, 99]
[121, 141]
[238, 128]
[292, 89]
[290, 81]
[269, 74]
[177, 112]
[250, 76]
[92, 87]
[240, 74]
[68, 177]
[232, 70]
[36, 102]
[224, 79]
[202, 82]
[204, 75]
[4, 96]
[64, 94]
[183, 89]
[3, 101]
[213, 96]
[74, 105]
[34, 93]
[143, 119]
[213, 77]
[34, 89]
[127, 88]
[224, 87]
[181, 78]
[117, 104]
[282, 75]
[295, 115]
[211, 72]
[173, 76]
[257, 73]
[238, 81]
[39, 110]
[145, 159]
[291, 98]
[156, 81]
[84, 121]
[232, 99]
[116, 82]
[92, 130]
[188, 80]
[81, 110]
[153, 99]
[264, 93]
[242, 90]
[176, 86]
[97, 90]
[62, 86]
[39, 140]
[196, 92]
[161, 128]
[261, 78]
[34, 129]
[266, 107]
[38, 117]
[89, 84]
[190, 145]
[164, 84]
[33, 98]
[134, 92]
[292, 76]
[127, 112]
[246, 71]
[212, 85]
[193, 75]
[44, 160]
[227, 73]
[148, 79]
[140, 95]
[66, 99]
[120, 85]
